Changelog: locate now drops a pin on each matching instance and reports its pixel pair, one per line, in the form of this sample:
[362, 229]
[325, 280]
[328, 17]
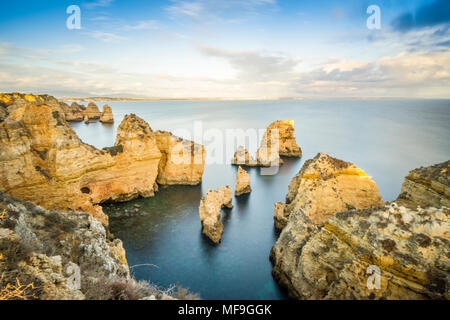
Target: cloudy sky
[226, 48]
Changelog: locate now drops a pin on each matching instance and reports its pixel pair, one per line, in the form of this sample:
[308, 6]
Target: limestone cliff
[242, 182]
[243, 158]
[46, 251]
[92, 112]
[43, 161]
[324, 186]
[209, 211]
[74, 112]
[429, 186]
[341, 257]
[182, 161]
[279, 134]
[107, 115]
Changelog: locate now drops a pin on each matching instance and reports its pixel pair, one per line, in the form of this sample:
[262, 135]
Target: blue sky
[226, 48]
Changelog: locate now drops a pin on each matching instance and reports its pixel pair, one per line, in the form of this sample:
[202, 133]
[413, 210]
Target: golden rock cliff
[92, 112]
[382, 252]
[43, 161]
[182, 161]
[279, 133]
[107, 115]
[324, 186]
[429, 186]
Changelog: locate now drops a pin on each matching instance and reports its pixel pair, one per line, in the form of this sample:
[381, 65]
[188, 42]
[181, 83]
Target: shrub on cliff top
[114, 150]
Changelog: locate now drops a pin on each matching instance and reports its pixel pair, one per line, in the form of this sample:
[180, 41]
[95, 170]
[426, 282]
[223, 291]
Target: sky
[257, 49]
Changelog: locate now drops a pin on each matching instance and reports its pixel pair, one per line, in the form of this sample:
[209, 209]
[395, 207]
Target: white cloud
[107, 36]
[143, 25]
[97, 3]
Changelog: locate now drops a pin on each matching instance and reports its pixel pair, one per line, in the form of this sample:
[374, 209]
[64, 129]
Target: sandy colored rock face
[73, 112]
[107, 115]
[182, 161]
[243, 157]
[209, 211]
[278, 140]
[43, 161]
[242, 182]
[326, 185]
[334, 260]
[46, 247]
[92, 112]
[429, 186]
[410, 248]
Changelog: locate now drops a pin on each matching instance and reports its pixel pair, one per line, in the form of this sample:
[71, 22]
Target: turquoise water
[385, 138]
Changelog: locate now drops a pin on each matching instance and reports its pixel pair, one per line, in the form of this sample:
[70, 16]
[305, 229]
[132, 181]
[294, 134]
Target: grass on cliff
[131, 289]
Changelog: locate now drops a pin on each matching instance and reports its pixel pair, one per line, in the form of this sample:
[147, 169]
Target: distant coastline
[110, 99]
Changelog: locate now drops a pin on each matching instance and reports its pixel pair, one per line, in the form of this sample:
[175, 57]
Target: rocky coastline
[331, 256]
[43, 161]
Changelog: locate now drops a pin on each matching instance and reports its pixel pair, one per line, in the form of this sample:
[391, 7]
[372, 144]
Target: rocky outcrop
[242, 182]
[280, 215]
[429, 186]
[43, 161]
[55, 255]
[107, 115]
[182, 161]
[278, 140]
[92, 112]
[324, 186]
[243, 158]
[209, 211]
[73, 112]
[383, 252]
[341, 260]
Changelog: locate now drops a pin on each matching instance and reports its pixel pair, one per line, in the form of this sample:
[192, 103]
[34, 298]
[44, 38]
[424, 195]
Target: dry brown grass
[16, 291]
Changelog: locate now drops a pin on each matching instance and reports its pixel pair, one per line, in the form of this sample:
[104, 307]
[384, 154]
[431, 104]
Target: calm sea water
[384, 138]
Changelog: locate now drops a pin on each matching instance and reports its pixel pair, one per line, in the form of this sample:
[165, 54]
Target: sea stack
[209, 211]
[107, 115]
[278, 140]
[92, 112]
[317, 257]
[324, 186]
[242, 182]
[72, 113]
[243, 158]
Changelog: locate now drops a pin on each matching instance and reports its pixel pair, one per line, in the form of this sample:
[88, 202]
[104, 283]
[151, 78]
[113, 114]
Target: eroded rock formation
[107, 115]
[429, 186]
[92, 112]
[43, 161]
[279, 134]
[242, 182]
[209, 211]
[49, 250]
[324, 186]
[243, 158]
[342, 257]
[182, 161]
[74, 112]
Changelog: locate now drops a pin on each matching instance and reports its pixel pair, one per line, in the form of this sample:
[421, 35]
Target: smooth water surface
[386, 138]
